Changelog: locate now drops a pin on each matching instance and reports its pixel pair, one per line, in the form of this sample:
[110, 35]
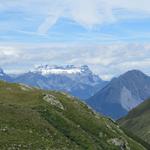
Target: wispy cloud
[87, 13]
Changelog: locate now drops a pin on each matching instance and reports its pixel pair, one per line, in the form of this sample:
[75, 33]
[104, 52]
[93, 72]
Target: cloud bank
[106, 60]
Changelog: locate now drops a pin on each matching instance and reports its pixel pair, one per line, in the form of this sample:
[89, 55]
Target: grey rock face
[53, 101]
[122, 94]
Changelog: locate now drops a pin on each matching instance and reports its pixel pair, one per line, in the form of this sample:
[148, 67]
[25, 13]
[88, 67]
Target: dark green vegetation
[138, 121]
[33, 119]
[133, 136]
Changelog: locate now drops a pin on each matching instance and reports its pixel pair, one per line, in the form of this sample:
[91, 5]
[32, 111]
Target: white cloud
[49, 22]
[87, 13]
[8, 51]
[90, 12]
[106, 60]
[8, 55]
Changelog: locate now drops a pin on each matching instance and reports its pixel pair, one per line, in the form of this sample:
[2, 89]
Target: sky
[110, 37]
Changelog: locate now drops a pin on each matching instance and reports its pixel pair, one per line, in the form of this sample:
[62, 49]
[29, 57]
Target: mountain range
[121, 94]
[78, 81]
[114, 99]
[31, 118]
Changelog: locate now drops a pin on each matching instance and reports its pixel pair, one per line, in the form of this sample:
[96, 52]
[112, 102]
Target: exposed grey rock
[119, 142]
[53, 101]
[25, 87]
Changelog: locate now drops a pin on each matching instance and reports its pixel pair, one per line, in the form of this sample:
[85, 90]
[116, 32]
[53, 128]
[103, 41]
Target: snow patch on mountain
[69, 69]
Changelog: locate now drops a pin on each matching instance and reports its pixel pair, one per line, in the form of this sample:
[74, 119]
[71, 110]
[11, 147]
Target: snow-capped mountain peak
[78, 81]
[68, 69]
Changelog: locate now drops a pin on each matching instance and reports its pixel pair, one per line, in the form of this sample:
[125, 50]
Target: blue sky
[109, 36]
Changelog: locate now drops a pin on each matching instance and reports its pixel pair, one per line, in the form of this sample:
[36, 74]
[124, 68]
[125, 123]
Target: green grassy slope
[33, 119]
[138, 121]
